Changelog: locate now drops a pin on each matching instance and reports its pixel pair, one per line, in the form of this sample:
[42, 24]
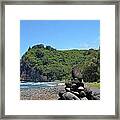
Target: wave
[37, 84]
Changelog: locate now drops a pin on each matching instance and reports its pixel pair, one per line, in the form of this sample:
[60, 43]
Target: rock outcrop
[29, 73]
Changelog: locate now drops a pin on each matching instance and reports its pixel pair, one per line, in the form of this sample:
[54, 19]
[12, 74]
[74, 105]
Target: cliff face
[28, 73]
[41, 63]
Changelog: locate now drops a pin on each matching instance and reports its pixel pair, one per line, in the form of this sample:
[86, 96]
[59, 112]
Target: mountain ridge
[45, 63]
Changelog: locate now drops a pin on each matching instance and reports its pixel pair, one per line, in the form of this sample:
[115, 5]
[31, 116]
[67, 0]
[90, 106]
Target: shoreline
[41, 93]
[45, 93]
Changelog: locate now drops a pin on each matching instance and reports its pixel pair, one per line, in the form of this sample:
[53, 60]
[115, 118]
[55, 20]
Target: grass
[93, 85]
[90, 85]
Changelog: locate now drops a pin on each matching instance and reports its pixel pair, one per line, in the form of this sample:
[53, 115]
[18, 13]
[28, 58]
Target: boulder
[76, 73]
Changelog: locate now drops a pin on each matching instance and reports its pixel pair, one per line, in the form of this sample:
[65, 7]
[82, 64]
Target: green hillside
[44, 63]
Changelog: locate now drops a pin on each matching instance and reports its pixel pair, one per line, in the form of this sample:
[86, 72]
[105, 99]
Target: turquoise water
[37, 84]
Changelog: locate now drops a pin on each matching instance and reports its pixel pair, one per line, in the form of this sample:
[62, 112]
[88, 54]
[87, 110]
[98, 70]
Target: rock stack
[75, 89]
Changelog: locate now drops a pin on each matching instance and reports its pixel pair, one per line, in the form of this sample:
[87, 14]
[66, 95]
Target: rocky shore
[42, 93]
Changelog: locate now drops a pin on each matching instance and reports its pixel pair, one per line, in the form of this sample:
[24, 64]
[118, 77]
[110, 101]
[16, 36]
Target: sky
[60, 34]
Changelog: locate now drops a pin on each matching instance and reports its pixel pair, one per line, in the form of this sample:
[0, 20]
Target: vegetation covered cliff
[44, 63]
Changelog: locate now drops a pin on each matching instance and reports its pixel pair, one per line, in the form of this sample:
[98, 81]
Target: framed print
[59, 60]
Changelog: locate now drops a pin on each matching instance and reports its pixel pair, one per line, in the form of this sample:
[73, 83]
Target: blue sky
[60, 34]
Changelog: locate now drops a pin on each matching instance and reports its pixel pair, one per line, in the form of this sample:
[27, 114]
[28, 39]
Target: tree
[39, 54]
[90, 73]
[40, 46]
[50, 48]
[57, 64]
[29, 48]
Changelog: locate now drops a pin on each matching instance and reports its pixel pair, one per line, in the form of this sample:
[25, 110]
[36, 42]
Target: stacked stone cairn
[75, 89]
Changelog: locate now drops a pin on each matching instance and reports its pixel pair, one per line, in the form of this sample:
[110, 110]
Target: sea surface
[27, 85]
[37, 84]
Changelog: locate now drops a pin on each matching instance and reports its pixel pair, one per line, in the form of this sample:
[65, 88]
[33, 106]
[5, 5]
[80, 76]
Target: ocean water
[37, 84]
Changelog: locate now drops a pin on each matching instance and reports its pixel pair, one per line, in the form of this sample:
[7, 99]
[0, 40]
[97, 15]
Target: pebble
[49, 93]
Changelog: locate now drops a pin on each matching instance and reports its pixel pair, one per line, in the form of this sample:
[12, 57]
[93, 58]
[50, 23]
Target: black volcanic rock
[28, 73]
[76, 73]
